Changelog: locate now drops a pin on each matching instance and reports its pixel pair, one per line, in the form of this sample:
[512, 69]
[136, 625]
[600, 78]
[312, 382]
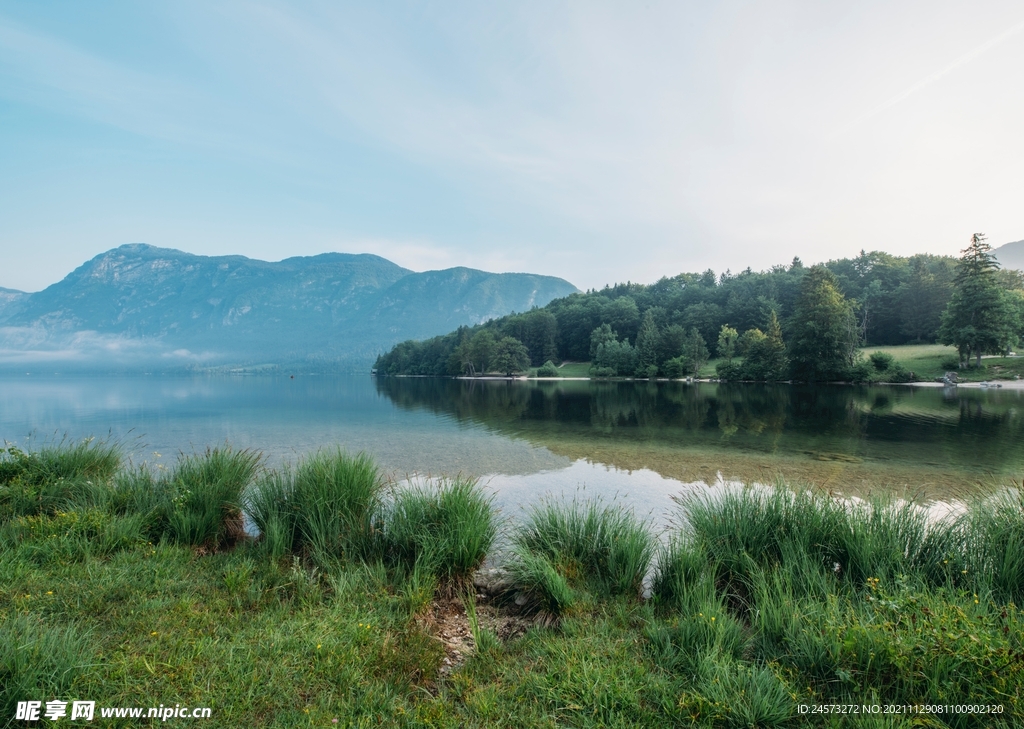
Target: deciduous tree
[510, 356]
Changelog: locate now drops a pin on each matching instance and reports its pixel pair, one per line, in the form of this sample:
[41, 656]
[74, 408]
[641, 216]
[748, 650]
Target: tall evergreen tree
[980, 318]
[825, 331]
[647, 345]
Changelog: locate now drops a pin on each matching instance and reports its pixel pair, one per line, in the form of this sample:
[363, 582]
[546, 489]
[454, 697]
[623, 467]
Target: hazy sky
[598, 142]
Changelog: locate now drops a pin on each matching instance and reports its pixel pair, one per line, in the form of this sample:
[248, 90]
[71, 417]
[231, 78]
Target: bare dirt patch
[448, 622]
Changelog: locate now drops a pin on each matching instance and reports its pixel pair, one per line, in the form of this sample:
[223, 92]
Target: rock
[950, 378]
[493, 581]
[522, 598]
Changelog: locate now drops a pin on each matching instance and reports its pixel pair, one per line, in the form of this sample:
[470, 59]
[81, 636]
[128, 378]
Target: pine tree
[979, 318]
[647, 346]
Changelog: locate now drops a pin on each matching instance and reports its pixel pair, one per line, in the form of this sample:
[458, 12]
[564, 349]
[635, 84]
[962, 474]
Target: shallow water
[639, 443]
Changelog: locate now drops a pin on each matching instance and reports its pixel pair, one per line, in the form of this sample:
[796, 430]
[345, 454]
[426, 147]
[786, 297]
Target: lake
[639, 443]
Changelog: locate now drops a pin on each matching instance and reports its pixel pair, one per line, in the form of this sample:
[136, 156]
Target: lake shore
[769, 601]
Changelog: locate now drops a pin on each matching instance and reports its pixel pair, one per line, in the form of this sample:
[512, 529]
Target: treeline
[791, 321]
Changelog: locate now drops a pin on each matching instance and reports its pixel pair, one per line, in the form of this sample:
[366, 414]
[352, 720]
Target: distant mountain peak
[1011, 255]
[330, 307]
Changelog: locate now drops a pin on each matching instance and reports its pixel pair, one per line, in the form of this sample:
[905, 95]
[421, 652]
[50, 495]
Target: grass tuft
[202, 498]
[324, 509]
[445, 527]
[55, 476]
[603, 549]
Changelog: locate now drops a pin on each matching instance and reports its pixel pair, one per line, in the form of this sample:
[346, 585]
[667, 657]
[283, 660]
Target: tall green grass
[324, 509]
[55, 476]
[763, 599]
[202, 498]
[594, 547]
[991, 532]
[445, 527]
[850, 599]
[748, 528]
[39, 661]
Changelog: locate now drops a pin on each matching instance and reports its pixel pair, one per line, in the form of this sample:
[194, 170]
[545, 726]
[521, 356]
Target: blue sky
[599, 142]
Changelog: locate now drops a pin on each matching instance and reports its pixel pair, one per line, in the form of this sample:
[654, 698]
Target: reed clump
[55, 476]
[333, 509]
[848, 599]
[325, 508]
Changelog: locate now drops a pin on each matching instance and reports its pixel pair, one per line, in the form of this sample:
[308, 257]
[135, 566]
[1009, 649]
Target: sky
[596, 141]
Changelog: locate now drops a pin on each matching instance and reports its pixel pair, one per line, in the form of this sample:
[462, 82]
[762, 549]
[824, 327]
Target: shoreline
[984, 384]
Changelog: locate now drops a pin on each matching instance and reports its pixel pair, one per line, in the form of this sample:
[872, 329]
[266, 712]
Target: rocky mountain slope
[138, 304]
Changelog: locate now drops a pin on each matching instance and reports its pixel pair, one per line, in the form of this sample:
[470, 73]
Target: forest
[796, 322]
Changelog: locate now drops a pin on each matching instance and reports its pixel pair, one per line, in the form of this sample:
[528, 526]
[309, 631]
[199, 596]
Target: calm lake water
[639, 443]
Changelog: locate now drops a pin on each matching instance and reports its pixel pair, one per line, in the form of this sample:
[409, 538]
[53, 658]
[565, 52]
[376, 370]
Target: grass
[603, 549]
[761, 600]
[202, 498]
[574, 369]
[43, 481]
[582, 369]
[445, 528]
[324, 509]
[930, 361]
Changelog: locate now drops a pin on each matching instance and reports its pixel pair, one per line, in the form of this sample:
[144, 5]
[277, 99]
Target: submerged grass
[763, 600]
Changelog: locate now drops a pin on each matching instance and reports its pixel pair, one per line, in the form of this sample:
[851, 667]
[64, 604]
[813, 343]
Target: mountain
[138, 304]
[1011, 255]
[10, 301]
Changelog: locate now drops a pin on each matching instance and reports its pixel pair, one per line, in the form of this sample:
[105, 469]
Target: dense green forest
[799, 322]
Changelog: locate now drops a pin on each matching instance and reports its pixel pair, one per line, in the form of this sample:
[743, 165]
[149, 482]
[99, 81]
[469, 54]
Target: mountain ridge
[1011, 255]
[339, 308]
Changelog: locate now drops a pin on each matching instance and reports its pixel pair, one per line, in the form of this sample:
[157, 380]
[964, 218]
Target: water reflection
[927, 439]
[616, 436]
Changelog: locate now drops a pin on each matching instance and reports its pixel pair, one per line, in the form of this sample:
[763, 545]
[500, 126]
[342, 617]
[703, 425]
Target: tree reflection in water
[845, 437]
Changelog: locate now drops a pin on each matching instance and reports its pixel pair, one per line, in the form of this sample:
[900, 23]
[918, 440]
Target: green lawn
[926, 362]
